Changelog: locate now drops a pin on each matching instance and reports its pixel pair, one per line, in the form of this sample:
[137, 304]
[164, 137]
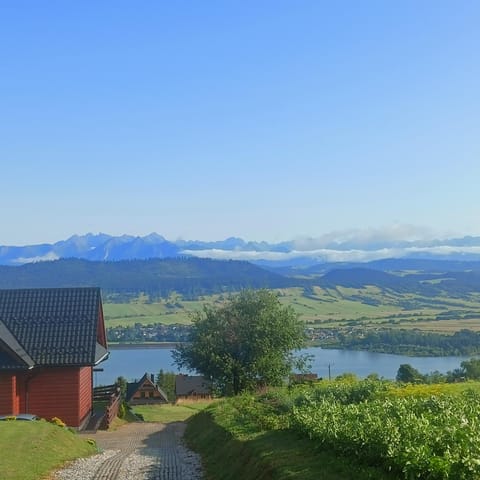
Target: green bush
[435, 437]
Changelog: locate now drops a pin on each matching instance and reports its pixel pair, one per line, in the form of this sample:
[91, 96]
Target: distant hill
[193, 277]
[361, 277]
[454, 283]
[156, 277]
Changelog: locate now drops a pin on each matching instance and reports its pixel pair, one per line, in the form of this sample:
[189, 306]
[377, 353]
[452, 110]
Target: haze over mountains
[130, 265]
[296, 253]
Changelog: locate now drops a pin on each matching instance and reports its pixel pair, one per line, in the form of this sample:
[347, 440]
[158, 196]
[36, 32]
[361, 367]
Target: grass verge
[241, 451]
[31, 450]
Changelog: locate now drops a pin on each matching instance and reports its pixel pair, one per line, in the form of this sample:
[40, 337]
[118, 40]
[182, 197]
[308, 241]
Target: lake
[132, 363]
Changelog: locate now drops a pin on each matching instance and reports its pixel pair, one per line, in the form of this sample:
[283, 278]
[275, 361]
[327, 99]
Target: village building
[192, 387]
[50, 341]
[145, 392]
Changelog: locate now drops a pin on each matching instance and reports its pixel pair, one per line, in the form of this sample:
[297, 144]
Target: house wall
[65, 393]
[86, 393]
[9, 398]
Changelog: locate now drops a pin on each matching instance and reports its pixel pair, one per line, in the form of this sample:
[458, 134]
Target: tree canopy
[408, 374]
[244, 343]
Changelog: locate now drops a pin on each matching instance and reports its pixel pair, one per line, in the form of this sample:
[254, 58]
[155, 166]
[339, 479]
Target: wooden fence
[112, 396]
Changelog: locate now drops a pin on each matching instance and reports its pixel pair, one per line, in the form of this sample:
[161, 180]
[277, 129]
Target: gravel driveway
[137, 451]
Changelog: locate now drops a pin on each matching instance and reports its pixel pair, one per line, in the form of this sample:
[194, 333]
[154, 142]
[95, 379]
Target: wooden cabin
[50, 340]
[192, 387]
[145, 392]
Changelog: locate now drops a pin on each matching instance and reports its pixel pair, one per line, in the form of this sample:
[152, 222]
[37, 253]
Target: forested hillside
[156, 277]
[191, 277]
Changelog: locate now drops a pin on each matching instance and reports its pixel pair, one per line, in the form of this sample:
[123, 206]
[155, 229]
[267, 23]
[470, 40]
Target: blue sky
[267, 120]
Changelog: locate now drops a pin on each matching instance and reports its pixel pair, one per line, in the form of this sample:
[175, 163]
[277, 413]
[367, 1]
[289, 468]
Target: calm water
[134, 362]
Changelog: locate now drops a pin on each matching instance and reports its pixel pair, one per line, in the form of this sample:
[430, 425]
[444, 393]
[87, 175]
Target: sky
[265, 120]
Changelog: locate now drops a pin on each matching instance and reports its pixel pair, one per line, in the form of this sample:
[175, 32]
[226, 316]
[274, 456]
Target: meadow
[368, 307]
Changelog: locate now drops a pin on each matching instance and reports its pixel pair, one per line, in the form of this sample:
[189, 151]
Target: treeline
[468, 370]
[412, 342]
[157, 278]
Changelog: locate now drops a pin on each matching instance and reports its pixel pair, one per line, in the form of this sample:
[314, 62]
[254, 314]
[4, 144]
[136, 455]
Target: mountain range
[300, 254]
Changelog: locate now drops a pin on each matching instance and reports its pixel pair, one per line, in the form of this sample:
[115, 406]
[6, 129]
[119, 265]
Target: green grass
[170, 413]
[242, 451]
[31, 450]
[263, 437]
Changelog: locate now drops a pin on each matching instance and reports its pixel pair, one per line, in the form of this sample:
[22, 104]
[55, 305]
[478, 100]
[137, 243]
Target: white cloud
[365, 238]
[50, 256]
[333, 255]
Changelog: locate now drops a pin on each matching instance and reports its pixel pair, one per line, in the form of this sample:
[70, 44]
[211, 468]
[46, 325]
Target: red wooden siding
[65, 393]
[9, 399]
[85, 393]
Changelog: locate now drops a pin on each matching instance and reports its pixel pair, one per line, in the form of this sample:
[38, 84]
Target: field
[368, 307]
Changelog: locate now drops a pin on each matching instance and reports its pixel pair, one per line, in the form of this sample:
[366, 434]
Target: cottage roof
[192, 384]
[133, 387]
[51, 327]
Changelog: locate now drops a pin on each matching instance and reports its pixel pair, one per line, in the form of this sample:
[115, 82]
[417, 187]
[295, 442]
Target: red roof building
[50, 340]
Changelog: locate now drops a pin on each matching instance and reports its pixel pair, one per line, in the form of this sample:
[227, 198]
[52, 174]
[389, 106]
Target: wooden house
[50, 340]
[145, 391]
[192, 387]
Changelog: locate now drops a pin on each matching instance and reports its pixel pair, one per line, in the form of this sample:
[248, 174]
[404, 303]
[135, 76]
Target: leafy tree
[166, 381]
[471, 368]
[456, 375]
[408, 374]
[435, 377]
[122, 383]
[244, 343]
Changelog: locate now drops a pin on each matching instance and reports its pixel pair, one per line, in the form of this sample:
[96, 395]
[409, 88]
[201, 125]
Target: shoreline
[132, 346]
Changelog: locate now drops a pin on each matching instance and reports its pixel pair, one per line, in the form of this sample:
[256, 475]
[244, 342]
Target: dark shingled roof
[50, 327]
[192, 384]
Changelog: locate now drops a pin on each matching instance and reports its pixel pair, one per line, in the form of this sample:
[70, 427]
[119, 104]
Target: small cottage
[50, 340]
[192, 387]
[145, 391]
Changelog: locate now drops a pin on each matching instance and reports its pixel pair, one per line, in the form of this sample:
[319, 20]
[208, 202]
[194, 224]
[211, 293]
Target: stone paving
[138, 451]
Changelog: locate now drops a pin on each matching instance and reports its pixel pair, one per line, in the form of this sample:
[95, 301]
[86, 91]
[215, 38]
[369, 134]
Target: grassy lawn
[170, 413]
[30, 450]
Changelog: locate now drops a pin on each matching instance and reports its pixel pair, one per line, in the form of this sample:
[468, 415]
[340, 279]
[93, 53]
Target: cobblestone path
[138, 451]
